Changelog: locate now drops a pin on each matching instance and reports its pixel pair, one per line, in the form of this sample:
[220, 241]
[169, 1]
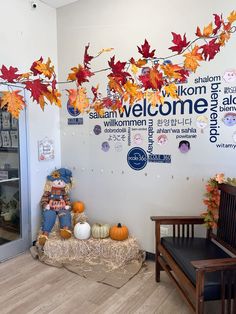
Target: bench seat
[186, 250]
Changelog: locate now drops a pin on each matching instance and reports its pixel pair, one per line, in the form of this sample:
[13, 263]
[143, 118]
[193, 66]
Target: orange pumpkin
[119, 232]
[78, 207]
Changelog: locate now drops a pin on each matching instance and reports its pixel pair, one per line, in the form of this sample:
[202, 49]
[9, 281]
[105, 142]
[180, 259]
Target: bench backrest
[226, 231]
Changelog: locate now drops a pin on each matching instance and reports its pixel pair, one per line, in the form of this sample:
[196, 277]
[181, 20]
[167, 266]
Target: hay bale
[114, 253]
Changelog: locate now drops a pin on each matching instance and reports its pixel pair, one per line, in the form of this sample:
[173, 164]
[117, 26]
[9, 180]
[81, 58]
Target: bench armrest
[215, 264]
[175, 220]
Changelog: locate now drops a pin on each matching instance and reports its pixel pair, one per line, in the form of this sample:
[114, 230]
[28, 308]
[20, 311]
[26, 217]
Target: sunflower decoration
[55, 175]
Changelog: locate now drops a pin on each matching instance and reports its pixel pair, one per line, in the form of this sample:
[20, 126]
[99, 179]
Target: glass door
[14, 214]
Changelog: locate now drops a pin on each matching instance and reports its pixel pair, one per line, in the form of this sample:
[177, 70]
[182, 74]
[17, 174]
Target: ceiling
[57, 3]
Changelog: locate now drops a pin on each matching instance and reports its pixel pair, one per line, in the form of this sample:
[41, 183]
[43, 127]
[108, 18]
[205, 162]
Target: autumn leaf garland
[149, 76]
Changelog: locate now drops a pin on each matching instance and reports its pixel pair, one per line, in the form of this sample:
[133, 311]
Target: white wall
[111, 190]
[26, 35]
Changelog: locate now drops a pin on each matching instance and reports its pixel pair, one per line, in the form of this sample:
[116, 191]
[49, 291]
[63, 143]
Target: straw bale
[114, 253]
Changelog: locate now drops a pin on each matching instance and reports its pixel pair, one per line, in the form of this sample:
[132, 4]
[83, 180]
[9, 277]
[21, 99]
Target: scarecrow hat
[61, 174]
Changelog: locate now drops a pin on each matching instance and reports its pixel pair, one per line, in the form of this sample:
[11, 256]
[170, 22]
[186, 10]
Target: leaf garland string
[148, 77]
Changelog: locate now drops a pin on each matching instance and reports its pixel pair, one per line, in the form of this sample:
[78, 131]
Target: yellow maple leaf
[171, 90]
[45, 68]
[224, 37]
[25, 75]
[208, 30]
[132, 92]
[105, 50]
[232, 17]
[72, 76]
[155, 98]
[171, 70]
[78, 98]
[192, 58]
[134, 69]
[13, 101]
[115, 86]
[54, 97]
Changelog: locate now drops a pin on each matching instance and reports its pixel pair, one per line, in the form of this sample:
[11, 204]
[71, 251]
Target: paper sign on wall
[46, 149]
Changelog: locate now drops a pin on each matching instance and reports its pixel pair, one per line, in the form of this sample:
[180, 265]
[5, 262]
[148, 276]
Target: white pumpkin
[82, 231]
[100, 231]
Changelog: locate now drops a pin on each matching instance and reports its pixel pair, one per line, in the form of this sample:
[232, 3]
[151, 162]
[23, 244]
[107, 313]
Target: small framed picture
[6, 120]
[14, 123]
[6, 141]
[46, 149]
[14, 138]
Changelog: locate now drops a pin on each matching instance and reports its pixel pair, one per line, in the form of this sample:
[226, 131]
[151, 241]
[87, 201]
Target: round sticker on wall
[162, 139]
[184, 146]
[138, 139]
[201, 122]
[97, 129]
[72, 110]
[105, 146]
[229, 119]
[137, 158]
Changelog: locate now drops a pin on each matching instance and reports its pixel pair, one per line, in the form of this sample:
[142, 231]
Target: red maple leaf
[210, 49]
[37, 88]
[153, 79]
[107, 102]
[184, 75]
[145, 50]
[218, 23]
[87, 57]
[9, 74]
[95, 92]
[54, 83]
[34, 64]
[145, 79]
[180, 43]
[82, 75]
[118, 72]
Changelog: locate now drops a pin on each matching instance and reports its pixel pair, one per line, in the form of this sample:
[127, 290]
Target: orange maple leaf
[78, 98]
[156, 78]
[132, 92]
[232, 17]
[192, 58]
[115, 86]
[13, 101]
[136, 65]
[25, 75]
[54, 97]
[155, 98]
[224, 37]
[207, 31]
[45, 68]
[171, 70]
[171, 90]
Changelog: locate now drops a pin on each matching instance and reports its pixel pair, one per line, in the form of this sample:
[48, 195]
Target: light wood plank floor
[28, 286]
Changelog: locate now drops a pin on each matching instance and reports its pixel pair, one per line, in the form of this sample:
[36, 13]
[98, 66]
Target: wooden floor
[28, 286]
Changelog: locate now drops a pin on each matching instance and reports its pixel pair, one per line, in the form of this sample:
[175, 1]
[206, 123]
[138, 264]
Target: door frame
[18, 246]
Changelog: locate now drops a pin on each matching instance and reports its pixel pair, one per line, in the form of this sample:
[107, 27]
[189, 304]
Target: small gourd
[100, 231]
[119, 232]
[82, 231]
[78, 207]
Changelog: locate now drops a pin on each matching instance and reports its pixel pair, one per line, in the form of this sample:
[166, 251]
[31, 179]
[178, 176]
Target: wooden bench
[202, 269]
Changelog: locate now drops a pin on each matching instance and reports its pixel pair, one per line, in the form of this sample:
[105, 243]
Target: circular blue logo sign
[72, 111]
[137, 158]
